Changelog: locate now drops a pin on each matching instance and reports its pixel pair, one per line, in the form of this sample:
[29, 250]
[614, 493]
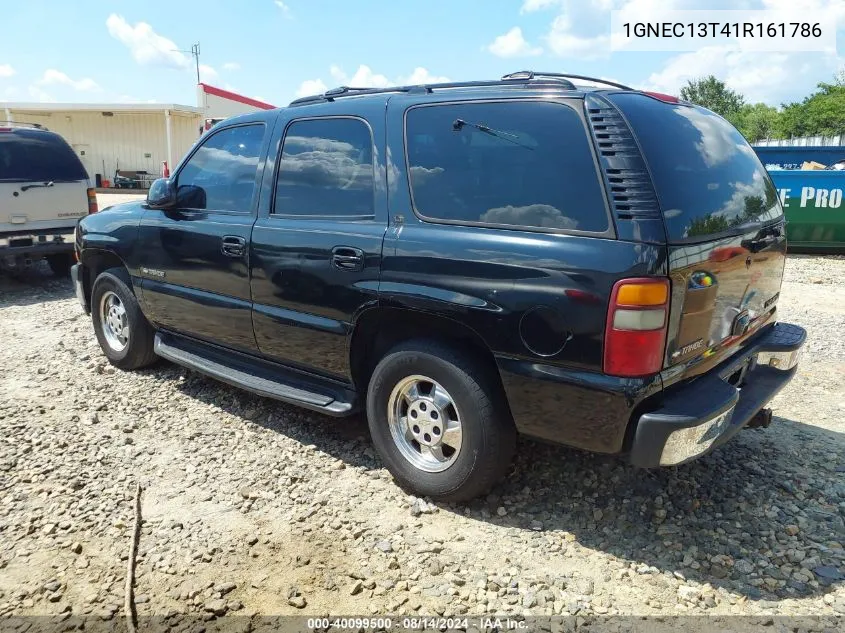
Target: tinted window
[520, 164]
[708, 179]
[326, 168]
[221, 173]
[27, 155]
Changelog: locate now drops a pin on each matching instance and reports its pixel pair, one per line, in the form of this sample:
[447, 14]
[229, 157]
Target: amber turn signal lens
[642, 294]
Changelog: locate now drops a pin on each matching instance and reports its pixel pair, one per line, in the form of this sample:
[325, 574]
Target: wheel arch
[96, 261]
[381, 328]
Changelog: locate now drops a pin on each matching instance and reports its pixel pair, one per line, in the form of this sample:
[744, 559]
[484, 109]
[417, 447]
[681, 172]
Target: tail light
[92, 201]
[635, 334]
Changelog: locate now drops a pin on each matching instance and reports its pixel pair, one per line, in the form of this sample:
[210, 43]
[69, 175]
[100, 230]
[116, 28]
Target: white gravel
[252, 507]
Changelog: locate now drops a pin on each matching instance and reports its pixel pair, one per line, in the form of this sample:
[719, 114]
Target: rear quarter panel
[538, 301]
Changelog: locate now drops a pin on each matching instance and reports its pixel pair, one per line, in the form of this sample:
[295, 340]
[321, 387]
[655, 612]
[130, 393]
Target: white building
[132, 137]
[218, 104]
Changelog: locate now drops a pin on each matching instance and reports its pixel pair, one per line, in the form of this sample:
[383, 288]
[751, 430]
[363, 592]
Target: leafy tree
[757, 121]
[822, 113]
[714, 95]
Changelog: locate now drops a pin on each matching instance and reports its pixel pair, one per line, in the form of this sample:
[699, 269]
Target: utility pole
[195, 51]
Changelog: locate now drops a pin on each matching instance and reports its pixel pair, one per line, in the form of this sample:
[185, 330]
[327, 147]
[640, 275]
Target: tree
[820, 114]
[714, 95]
[757, 121]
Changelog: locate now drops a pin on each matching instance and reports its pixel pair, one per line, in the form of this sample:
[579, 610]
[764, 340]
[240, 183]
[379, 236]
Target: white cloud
[311, 87]
[365, 77]
[513, 44]
[423, 76]
[231, 66]
[11, 92]
[564, 43]
[529, 6]
[6, 70]
[580, 30]
[570, 34]
[40, 95]
[53, 77]
[207, 73]
[768, 77]
[147, 46]
[285, 8]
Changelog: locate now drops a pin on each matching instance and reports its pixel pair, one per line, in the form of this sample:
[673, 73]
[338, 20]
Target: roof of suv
[526, 79]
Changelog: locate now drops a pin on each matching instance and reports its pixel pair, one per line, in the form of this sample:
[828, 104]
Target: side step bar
[255, 375]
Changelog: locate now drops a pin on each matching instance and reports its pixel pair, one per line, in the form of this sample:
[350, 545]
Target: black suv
[598, 267]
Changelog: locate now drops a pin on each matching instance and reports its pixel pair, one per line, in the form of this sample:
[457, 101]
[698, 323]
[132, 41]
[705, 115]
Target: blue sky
[121, 51]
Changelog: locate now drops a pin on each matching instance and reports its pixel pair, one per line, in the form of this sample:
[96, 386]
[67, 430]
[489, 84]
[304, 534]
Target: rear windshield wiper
[49, 183]
[458, 124]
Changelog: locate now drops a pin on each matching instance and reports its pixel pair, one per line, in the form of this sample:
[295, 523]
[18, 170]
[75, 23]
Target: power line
[195, 53]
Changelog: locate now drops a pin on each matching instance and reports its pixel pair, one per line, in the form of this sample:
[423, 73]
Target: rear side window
[513, 164]
[30, 155]
[707, 177]
[326, 169]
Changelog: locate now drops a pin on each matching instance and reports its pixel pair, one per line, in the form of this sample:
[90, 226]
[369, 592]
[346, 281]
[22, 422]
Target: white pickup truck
[44, 191]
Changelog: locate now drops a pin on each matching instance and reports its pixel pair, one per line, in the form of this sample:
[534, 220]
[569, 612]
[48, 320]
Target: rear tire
[60, 263]
[420, 406]
[124, 334]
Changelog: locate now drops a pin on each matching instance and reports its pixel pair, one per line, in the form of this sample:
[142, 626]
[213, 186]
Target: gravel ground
[252, 507]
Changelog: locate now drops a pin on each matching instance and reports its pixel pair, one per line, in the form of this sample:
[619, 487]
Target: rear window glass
[707, 177]
[521, 164]
[28, 155]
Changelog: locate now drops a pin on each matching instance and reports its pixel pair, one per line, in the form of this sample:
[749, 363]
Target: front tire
[124, 334]
[442, 427]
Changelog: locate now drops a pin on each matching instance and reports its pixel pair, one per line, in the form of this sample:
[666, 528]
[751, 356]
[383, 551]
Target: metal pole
[169, 140]
[195, 51]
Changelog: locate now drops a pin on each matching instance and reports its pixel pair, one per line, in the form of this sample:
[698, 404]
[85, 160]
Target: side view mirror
[162, 194]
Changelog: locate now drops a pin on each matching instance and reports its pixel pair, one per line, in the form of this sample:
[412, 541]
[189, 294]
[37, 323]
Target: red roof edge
[233, 96]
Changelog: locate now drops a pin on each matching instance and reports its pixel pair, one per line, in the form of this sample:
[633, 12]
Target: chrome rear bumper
[707, 411]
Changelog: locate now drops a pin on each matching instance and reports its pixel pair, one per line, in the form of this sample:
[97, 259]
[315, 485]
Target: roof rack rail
[518, 78]
[37, 126]
[528, 76]
[531, 74]
[345, 91]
